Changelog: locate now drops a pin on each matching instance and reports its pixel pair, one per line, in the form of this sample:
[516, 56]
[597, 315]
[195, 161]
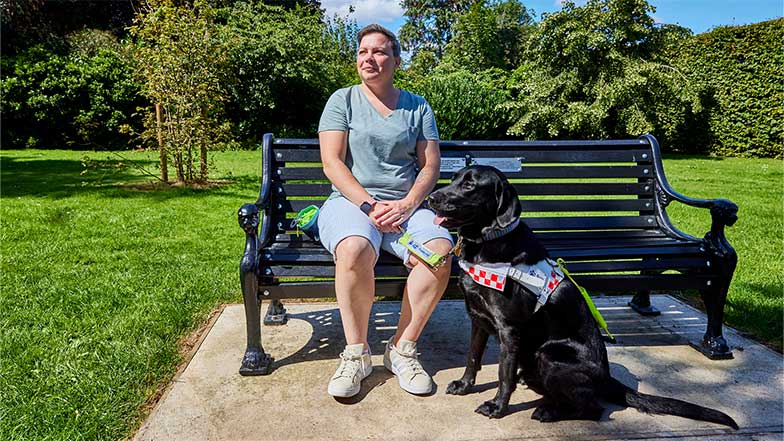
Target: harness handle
[594, 311]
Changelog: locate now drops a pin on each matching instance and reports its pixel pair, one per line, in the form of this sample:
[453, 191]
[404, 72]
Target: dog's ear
[508, 204]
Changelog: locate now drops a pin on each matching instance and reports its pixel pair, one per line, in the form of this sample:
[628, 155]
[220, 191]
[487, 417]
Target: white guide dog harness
[541, 278]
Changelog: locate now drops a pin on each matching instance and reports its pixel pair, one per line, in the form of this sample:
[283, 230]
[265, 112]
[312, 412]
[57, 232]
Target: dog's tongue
[438, 219]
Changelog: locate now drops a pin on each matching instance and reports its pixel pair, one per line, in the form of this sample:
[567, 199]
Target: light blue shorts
[339, 218]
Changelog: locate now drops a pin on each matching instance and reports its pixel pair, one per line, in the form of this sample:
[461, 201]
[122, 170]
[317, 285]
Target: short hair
[377, 28]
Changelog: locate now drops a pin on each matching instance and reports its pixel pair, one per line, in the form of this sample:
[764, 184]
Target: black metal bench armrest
[248, 218]
[249, 215]
[723, 212]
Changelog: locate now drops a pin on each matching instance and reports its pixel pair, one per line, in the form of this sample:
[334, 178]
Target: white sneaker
[355, 366]
[403, 362]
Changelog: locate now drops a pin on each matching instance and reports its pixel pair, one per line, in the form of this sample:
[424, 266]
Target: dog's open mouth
[438, 220]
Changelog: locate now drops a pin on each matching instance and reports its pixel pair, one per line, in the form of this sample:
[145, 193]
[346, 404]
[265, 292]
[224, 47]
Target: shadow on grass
[32, 176]
[758, 321]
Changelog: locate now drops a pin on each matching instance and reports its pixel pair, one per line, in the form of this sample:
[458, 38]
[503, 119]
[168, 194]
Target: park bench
[599, 205]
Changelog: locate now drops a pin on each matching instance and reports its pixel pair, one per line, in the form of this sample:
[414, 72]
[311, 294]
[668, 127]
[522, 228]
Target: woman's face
[375, 60]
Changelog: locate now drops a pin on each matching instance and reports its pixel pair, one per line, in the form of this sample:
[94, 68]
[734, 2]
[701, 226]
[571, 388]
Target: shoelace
[350, 363]
[412, 362]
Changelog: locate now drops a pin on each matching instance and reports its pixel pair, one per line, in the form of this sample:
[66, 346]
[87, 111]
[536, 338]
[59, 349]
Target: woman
[379, 148]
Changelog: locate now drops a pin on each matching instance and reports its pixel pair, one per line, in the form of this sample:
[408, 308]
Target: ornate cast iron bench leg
[724, 259]
[641, 302]
[276, 314]
[255, 361]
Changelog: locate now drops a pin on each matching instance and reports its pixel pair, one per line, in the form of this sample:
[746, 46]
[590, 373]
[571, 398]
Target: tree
[490, 35]
[182, 59]
[74, 98]
[429, 24]
[284, 66]
[598, 71]
[28, 23]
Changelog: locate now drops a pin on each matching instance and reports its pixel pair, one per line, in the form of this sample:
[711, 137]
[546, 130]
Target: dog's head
[478, 200]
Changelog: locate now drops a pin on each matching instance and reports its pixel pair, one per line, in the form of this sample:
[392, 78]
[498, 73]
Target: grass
[101, 280]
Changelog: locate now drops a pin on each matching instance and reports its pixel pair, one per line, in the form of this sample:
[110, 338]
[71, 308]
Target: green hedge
[75, 97]
[741, 68]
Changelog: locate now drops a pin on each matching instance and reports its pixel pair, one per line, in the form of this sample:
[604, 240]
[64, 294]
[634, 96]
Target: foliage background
[486, 66]
[742, 71]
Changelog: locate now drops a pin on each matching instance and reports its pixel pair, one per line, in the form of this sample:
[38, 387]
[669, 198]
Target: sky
[698, 15]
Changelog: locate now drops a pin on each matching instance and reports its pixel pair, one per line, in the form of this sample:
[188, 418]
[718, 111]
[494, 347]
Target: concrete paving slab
[211, 401]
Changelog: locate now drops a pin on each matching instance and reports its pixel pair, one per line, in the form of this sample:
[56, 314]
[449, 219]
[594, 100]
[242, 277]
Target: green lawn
[100, 280]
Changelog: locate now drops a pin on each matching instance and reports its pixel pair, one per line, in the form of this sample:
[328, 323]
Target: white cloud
[384, 12]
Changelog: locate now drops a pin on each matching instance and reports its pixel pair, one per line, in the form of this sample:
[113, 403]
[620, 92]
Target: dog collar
[495, 234]
[541, 278]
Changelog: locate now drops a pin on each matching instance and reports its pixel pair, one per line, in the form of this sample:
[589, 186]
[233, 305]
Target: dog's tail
[626, 396]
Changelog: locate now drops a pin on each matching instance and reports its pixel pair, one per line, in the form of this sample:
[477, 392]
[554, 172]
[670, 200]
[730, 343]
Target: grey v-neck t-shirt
[381, 150]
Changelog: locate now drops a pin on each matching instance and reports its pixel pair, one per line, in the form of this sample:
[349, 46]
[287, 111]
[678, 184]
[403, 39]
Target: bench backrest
[566, 187]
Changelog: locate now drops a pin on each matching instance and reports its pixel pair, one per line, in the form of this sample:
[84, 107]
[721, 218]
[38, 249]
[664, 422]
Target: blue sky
[697, 15]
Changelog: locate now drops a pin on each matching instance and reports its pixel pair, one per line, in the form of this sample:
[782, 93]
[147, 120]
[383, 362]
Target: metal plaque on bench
[451, 165]
[503, 164]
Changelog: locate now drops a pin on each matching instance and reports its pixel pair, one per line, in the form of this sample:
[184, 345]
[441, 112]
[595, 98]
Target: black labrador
[558, 350]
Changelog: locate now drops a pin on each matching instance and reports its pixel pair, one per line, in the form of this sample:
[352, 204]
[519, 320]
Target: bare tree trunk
[189, 168]
[180, 173]
[161, 147]
[203, 147]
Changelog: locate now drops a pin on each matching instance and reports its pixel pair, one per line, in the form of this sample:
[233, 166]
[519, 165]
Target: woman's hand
[388, 216]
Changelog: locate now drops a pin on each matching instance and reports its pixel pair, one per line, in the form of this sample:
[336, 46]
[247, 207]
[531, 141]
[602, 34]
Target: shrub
[741, 67]
[285, 64]
[76, 99]
[466, 104]
[597, 71]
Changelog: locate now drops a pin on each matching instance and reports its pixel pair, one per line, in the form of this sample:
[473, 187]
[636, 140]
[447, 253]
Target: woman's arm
[333, 159]
[394, 213]
[429, 162]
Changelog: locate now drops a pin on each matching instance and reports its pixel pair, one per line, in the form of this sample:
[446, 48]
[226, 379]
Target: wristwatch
[367, 206]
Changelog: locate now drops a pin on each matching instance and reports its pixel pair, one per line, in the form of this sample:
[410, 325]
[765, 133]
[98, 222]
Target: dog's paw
[491, 409]
[545, 414]
[458, 387]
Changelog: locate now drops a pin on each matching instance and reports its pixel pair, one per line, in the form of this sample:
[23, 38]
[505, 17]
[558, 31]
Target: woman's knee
[439, 245]
[442, 247]
[355, 251]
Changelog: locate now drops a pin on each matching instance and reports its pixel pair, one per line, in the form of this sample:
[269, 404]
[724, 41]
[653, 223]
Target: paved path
[211, 401]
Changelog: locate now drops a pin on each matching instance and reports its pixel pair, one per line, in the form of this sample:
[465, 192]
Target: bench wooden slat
[281, 224]
[533, 156]
[549, 238]
[590, 222]
[598, 205]
[609, 243]
[595, 284]
[623, 144]
[564, 189]
[556, 247]
[527, 172]
[395, 269]
[318, 256]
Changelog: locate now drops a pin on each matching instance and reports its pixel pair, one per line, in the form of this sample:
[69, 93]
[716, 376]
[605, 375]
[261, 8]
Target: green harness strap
[594, 312]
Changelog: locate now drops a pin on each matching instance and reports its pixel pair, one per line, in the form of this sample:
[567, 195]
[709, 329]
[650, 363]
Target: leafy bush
[466, 104]
[285, 64]
[77, 99]
[490, 35]
[598, 71]
[741, 67]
